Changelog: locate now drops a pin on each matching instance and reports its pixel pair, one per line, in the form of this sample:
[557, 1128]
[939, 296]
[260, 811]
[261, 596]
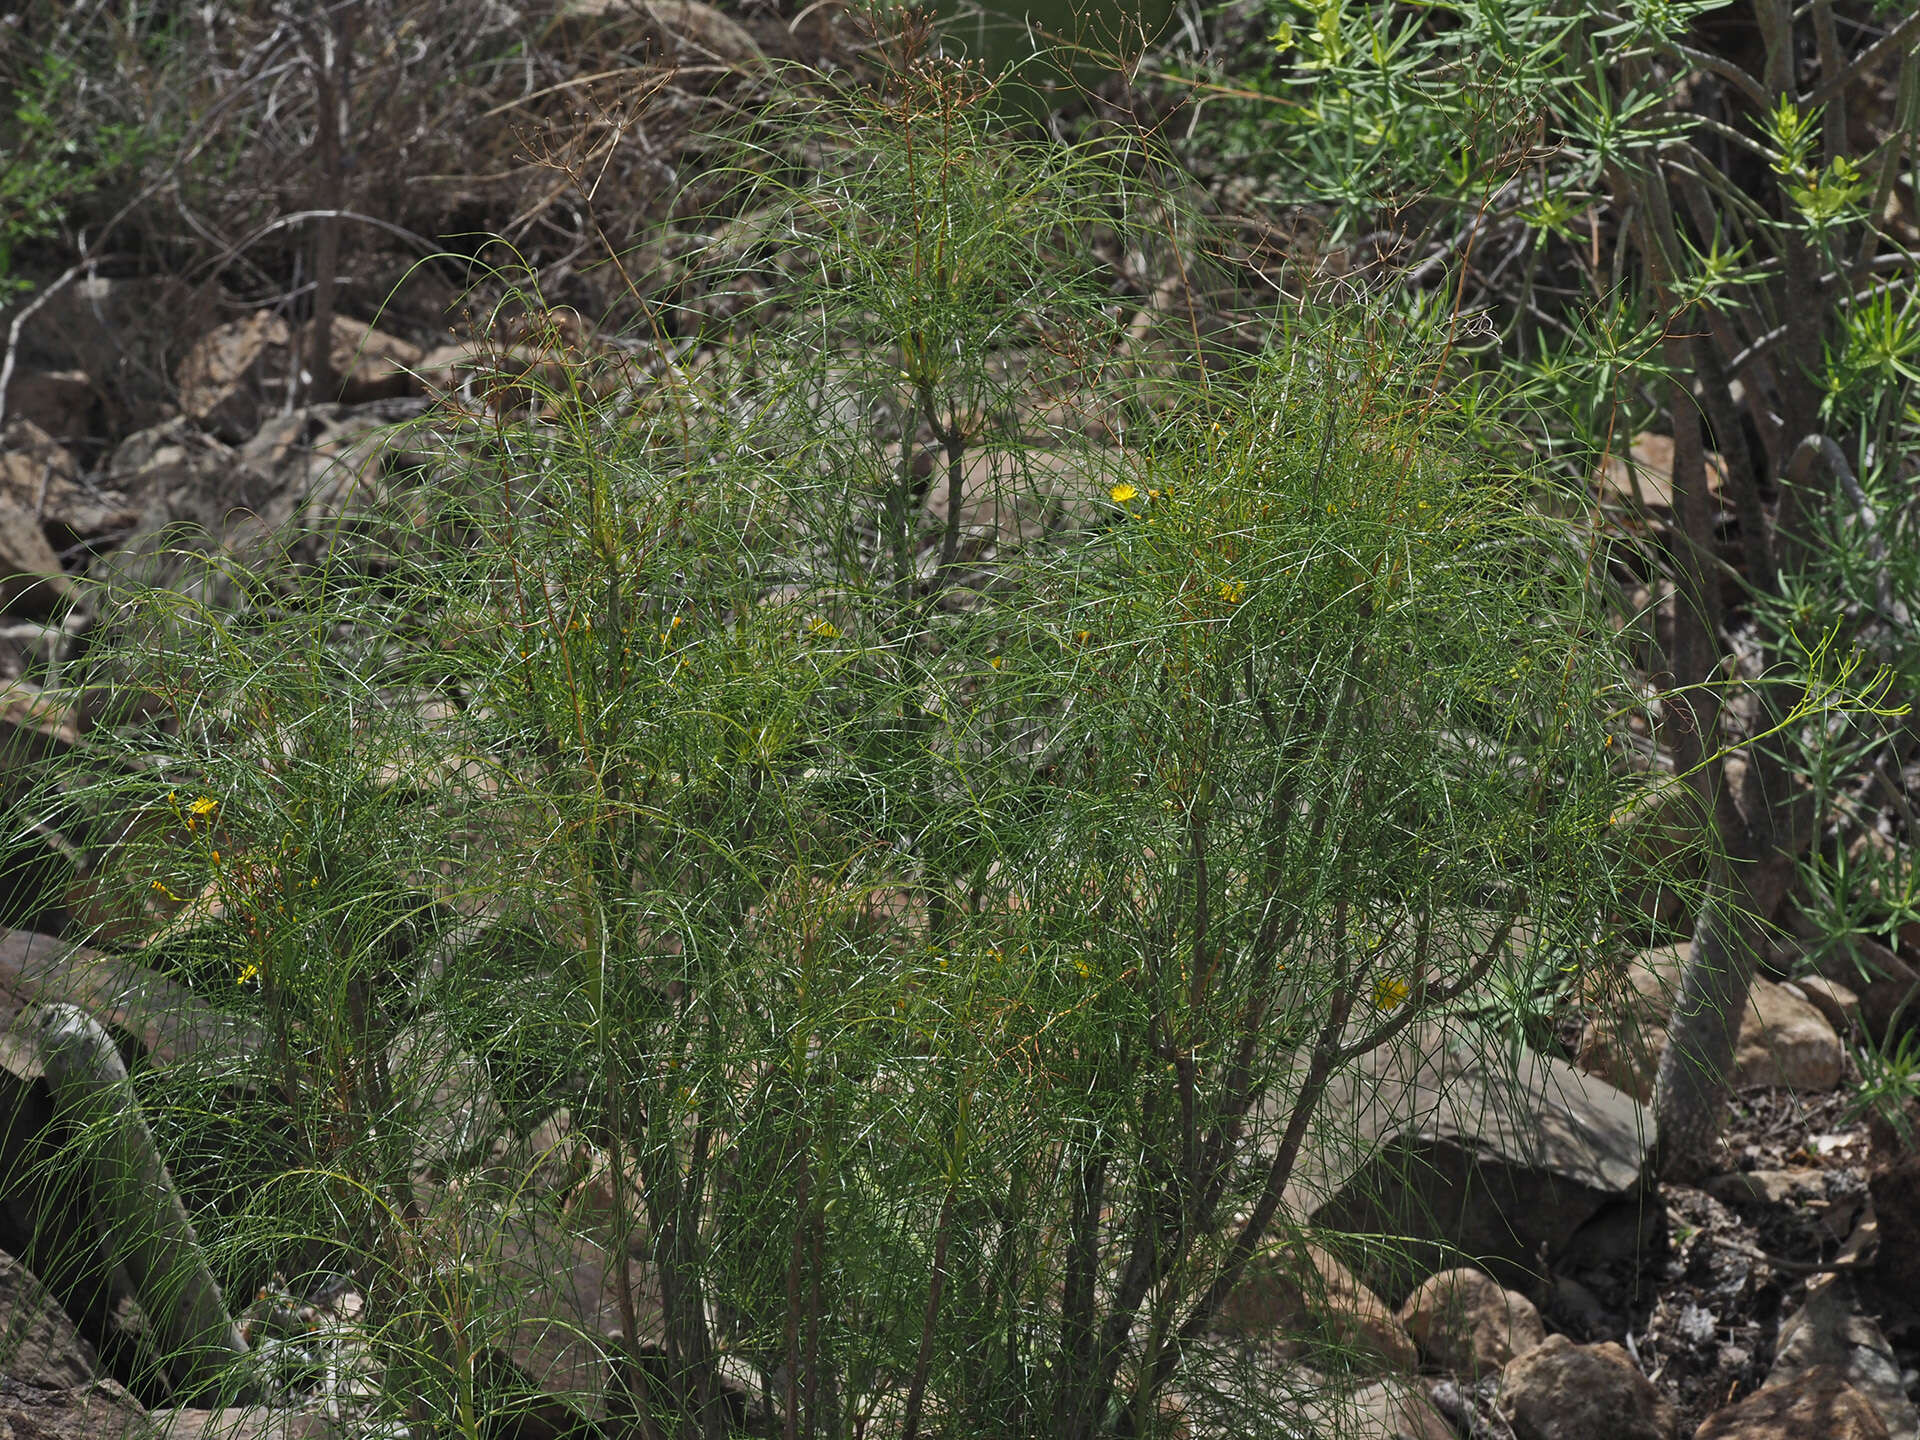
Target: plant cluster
[938, 796]
[1694, 218]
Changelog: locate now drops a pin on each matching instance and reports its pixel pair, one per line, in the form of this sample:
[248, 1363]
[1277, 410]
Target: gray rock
[1563, 1391]
[98, 1410]
[1446, 1138]
[1828, 1330]
[38, 1344]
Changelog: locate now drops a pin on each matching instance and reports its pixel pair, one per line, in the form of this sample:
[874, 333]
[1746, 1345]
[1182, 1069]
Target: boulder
[1815, 1403]
[98, 1410]
[1829, 1333]
[1451, 1140]
[1563, 1391]
[1784, 1038]
[1308, 1300]
[1622, 1041]
[177, 476]
[225, 377]
[1644, 475]
[1464, 1321]
[38, 1344]
[1839, 1003]
[1785, 1041]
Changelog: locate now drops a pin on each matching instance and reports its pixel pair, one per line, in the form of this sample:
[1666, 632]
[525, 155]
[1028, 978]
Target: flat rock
[38, 1344]
[98, 1410]
[41, 476]
[1817, 1404]
[1465, 1321]
[172, 1025]
[1563, 1391]
[1447, 1138]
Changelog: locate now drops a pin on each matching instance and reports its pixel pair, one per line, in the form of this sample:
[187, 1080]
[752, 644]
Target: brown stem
[795, 1265]
[916, 1394]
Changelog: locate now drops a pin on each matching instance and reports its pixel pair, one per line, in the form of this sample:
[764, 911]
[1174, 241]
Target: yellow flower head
[1124, 492]
[1389, 992]
[825, 629]
[1232, 591]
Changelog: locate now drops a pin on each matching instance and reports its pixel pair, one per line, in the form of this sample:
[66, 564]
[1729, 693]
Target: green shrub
[956, 938]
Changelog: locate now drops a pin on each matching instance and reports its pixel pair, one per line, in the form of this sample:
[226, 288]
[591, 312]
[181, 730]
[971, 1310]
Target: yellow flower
[201, 809]
[825, 629]
[1389, 991]
[248, 972]
[1124, 492]
[1232, 591]
[1086, 970]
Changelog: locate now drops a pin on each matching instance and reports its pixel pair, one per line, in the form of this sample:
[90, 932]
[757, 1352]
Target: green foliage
[1889, 1084]
[956, 938]
[47, 165]
[1641, 222]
